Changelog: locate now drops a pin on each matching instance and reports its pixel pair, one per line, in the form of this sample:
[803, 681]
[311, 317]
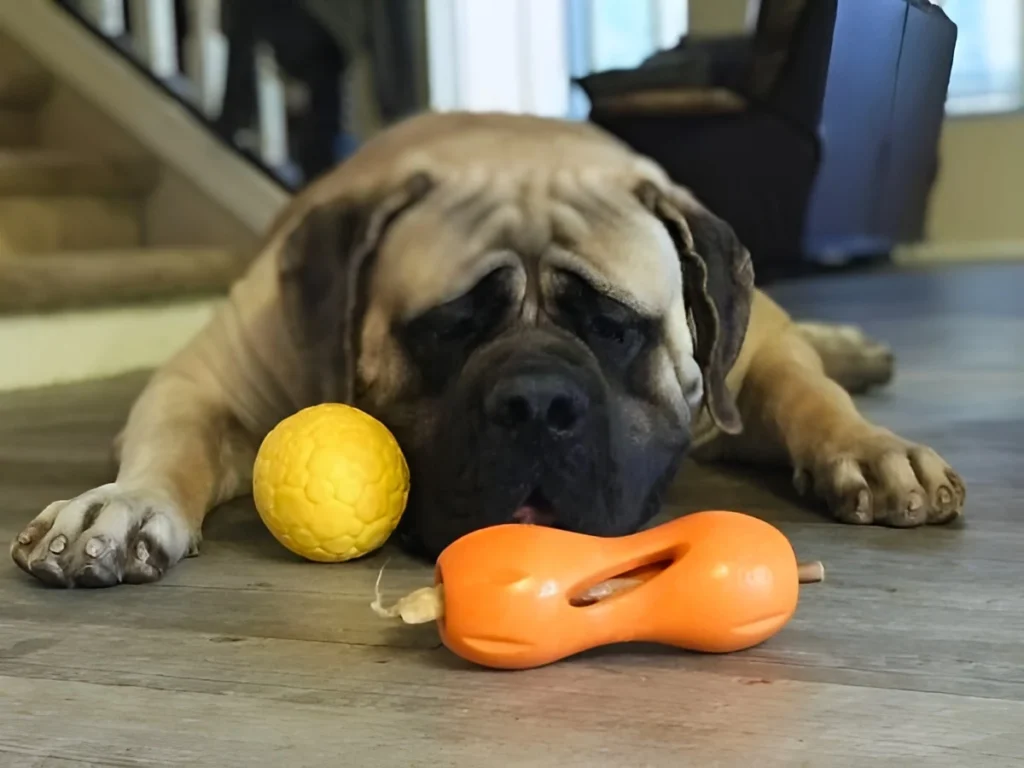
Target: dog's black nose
[550, 400]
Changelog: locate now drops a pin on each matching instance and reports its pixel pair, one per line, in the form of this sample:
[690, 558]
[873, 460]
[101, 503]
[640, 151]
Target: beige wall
[717, 17]
[979, 195]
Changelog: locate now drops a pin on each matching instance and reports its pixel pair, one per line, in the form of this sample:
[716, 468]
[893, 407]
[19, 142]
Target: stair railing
[181, 45]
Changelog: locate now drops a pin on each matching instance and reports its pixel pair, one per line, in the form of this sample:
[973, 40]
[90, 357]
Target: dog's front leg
[181, 453]
[792, 411]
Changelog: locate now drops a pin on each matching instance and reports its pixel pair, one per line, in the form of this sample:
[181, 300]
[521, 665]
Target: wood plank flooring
[911, 653]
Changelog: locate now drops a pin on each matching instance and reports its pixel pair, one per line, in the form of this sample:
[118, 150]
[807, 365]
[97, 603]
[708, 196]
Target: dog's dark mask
[551, 422]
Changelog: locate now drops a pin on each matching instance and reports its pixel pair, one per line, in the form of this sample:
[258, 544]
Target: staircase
[88, 285]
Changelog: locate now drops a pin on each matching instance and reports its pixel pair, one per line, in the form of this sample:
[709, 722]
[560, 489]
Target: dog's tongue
[530, 515]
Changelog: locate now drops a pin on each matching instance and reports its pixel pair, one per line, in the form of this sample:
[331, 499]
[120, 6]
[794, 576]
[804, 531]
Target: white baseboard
[162, 125]
[957, 253]
[91, 344]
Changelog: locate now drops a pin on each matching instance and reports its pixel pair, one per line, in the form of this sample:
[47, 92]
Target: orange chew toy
[519, 596]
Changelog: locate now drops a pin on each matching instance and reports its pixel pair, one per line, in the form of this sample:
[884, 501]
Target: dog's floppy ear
[718, 285]
[324, 267]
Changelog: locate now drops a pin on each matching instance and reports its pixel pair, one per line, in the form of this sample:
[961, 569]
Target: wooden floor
[911, 653]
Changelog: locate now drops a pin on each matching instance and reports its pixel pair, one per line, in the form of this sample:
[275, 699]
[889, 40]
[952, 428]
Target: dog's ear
[323, 270]
[718, 286]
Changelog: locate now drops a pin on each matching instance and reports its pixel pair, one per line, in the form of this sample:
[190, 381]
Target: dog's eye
[615, 341]
[457, 330]
[614, 331]
[440, 340]
[607, 328]
[472, 314]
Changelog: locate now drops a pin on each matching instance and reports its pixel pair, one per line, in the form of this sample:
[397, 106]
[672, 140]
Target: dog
[546, 322]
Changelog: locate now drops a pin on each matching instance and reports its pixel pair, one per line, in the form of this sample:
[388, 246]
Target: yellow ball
[331, 483]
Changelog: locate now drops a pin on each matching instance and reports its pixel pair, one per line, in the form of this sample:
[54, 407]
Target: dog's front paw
[104, 537]
[877, 477]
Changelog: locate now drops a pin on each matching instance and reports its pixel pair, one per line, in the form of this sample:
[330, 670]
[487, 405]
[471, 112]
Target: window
[520, 55]
[619, 34]
[987, 64]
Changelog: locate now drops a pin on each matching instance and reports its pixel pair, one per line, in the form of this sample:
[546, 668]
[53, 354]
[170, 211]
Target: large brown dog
[546, 323]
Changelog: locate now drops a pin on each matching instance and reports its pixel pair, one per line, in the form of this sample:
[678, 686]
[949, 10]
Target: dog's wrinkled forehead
[535, 220]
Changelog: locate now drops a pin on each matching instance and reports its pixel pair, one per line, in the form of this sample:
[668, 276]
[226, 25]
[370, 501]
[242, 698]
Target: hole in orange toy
[619, 584]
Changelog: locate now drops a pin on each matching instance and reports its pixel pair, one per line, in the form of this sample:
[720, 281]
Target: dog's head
[539, 352]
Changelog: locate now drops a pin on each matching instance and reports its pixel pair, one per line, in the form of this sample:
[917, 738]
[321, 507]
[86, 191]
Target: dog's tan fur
[503, 187]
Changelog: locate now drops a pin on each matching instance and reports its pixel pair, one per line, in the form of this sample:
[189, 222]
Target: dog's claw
[95, 547]
[877, 477]
[106, 536]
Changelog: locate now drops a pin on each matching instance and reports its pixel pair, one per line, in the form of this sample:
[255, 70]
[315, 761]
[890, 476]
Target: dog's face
[551, 420]
[535, 357]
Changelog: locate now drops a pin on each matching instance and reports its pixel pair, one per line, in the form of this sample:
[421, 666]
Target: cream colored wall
[717, 17]
[94, 344]
[979, 194]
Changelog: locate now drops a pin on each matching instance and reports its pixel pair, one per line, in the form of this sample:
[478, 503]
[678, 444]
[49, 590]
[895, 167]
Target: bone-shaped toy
[519, 596]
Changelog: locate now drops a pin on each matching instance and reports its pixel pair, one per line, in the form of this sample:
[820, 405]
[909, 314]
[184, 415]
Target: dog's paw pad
[880, 478]
[104, 537]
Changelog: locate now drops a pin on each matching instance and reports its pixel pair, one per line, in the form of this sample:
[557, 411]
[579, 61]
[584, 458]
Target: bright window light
[987, 62]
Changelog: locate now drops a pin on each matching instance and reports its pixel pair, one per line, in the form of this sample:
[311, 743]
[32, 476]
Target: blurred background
[160, 137]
